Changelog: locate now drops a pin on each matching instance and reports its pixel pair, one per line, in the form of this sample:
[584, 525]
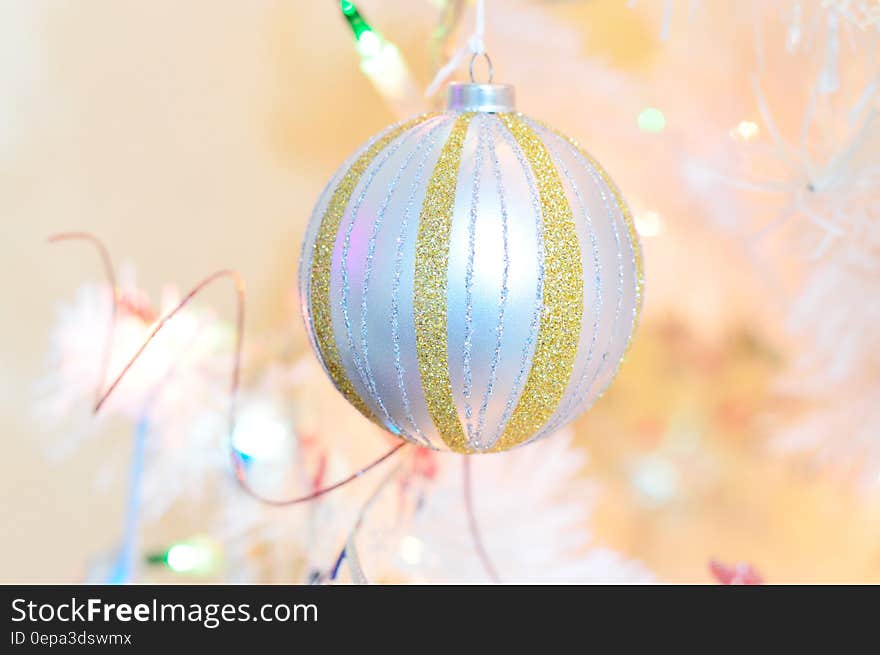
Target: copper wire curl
[103, 394]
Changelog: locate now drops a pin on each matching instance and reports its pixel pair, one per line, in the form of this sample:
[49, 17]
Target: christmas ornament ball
[471, 278]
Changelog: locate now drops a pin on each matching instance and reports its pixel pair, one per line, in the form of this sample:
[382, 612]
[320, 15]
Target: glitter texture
[576, 397]
[429, 293]
[505, 290]
[469, 282]
[528, 346]
[630, 228]
[563, 295]
[395, 287]
[428, 138]
[575, 403]
[363, 372]
[322, 257]
[596, 169]
[473, 310]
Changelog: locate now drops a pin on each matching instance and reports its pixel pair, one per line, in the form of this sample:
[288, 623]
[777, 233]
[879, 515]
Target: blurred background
[744, 426]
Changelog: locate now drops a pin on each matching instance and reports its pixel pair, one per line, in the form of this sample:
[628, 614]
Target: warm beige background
[195, 135]
[190, 136]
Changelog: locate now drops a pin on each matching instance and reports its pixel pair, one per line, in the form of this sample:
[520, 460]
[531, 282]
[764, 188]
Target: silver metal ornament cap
[488, 98]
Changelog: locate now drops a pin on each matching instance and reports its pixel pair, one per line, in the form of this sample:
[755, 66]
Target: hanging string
[238, 465]
[475, 47]
[446, 26]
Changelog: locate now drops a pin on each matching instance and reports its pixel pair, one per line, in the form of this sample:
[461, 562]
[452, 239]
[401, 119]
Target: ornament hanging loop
[491, 68]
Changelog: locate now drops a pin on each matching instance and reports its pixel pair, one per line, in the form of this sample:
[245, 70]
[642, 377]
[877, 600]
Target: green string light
[199, 555]
[355, 21]
[381, 61]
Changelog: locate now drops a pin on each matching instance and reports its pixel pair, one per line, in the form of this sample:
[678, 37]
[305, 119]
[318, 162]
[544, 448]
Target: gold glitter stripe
[322, 259]
[630, 229]
[563, 296]
[429, 293]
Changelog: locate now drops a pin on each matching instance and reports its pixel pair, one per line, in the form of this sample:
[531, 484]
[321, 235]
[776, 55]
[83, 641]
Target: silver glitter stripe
[600, 183]
[309, 239]
[434, 125]
[467, 385]
[597, 268]
[505, 291]
[395, 287]
[346, 249]
[519, 380]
